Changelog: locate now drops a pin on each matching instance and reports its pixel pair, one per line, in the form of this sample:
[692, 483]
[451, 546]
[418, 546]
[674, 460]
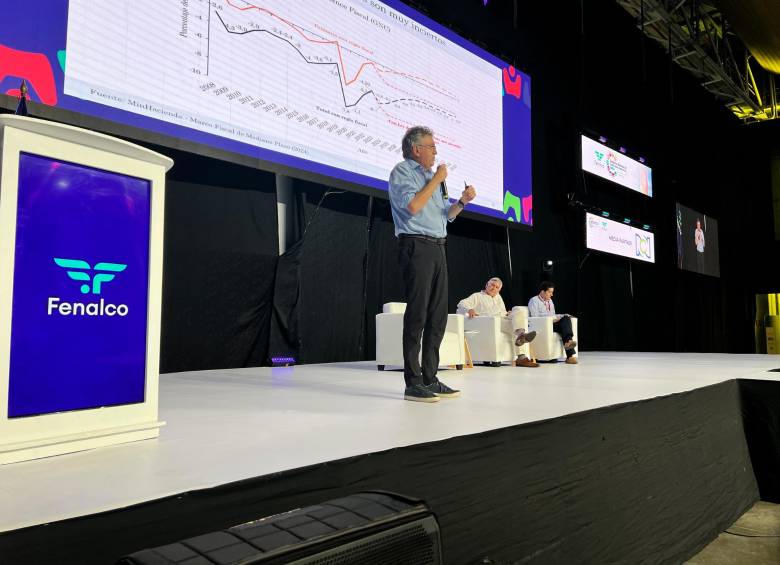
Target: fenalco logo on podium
[80, 290]
[81, 271]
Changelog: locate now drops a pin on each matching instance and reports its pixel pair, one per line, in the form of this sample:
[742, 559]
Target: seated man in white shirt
[488, 302]
[542, 305]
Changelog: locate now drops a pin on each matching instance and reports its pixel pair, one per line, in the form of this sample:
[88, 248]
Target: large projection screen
[608, 236]
[325, 88]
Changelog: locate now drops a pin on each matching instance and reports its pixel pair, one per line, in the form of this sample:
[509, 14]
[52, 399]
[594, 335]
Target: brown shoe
[571, 344]
[523, 361]
[572, 360]
[524, 337]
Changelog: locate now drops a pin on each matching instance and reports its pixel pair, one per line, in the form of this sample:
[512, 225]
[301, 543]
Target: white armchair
[548, 344]
[488, 344]
[389, 342]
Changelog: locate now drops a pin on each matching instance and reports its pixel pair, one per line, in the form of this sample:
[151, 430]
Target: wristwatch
[462, 204]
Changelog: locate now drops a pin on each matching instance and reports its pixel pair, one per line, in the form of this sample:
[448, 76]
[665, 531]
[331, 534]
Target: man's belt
[428, 238]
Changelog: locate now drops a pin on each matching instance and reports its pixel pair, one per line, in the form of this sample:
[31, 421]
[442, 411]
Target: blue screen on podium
[80, 290]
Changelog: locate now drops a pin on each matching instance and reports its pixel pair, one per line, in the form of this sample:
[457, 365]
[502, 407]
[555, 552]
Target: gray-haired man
[488, 302]
[421, 209]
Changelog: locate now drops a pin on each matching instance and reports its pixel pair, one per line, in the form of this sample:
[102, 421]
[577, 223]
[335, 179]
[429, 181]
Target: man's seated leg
[523, 361]
[519, 321]
[563, 327]
[506, 327]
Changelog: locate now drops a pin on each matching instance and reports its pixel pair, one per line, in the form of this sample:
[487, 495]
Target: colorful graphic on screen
[327, 87]
[78, 327]
[602, 234]
[697, 242]
[614, 166]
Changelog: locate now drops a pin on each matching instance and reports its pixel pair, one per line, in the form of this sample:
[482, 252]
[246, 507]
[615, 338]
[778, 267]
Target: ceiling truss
[697, 38]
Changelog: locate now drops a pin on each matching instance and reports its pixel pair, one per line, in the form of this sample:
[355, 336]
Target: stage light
[645, 226]
[605, 214]
[547, 265]
[626, 220]
[641, 159]
[602, 139]
[622, 149]
[282, 361]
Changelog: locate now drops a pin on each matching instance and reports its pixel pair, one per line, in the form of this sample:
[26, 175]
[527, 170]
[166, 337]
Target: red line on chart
[422, 101]
[395, 121]
[377, 66]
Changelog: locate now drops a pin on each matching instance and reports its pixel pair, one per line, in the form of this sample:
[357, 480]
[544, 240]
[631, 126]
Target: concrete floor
[754, 539]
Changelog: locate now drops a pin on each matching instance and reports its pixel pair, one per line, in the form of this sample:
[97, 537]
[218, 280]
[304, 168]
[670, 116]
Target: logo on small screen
[595, 223]
[612, 164]
[93, 279]
[79, 270]
[643, 246]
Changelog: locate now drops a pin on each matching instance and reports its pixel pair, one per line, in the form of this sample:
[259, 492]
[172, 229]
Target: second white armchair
[488, 344]
[548, 345]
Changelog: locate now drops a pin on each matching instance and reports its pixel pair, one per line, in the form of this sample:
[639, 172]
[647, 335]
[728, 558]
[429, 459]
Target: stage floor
[229, 425]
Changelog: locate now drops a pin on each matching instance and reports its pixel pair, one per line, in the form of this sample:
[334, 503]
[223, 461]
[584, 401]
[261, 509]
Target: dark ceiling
[757, 23]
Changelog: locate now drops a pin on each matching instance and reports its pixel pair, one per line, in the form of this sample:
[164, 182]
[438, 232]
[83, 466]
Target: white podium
[81, 233]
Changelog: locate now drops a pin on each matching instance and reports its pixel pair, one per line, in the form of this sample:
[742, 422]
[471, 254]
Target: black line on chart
[338, 69]
[208, 42]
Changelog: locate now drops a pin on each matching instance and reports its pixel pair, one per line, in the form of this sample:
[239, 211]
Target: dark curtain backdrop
[220, 254]
[331, 274]
[345, 268]
[597, 73]
[592, 70]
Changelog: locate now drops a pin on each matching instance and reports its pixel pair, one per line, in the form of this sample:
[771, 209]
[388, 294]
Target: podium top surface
[84, 137]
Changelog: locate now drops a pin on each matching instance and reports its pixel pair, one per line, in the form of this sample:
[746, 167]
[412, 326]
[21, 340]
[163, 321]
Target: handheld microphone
[444, 192]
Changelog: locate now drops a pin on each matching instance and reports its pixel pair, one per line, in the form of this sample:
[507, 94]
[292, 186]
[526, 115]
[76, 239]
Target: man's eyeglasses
[423, 145]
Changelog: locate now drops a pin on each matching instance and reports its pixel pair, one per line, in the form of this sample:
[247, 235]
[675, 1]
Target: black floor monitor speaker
[370, 527]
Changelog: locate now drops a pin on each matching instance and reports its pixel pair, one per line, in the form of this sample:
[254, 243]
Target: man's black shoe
[440, 389]
[419, 393]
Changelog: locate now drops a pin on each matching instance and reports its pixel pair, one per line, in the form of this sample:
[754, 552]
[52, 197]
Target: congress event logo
[595, 223]
[93, 280]
[613, 167]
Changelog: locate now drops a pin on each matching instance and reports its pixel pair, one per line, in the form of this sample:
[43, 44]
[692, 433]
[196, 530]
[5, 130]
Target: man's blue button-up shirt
[407, 179]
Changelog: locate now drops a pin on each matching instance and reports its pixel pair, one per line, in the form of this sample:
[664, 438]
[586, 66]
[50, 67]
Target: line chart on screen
[335, 82]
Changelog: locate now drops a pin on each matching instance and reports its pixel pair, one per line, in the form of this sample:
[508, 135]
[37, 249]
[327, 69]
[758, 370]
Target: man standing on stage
[542, 305]
[421, 210]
